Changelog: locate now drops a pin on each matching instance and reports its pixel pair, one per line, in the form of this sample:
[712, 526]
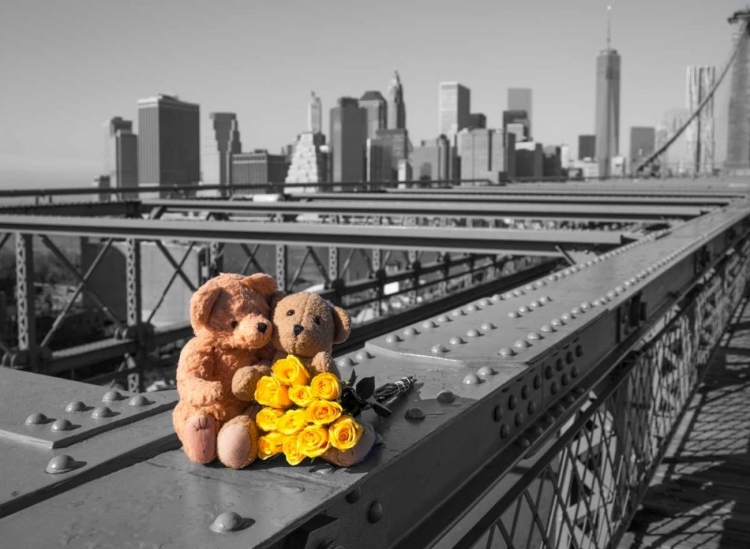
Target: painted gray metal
[473, 407]
[513, 242]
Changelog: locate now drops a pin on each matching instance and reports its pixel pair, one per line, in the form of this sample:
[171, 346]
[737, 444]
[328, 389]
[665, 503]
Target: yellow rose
[326, 386]
[267, 419]
[345, 433]
[321, 412]
[292, 422]
[301, 395]
[313, 441]
[269, 392]
[290, 371]
[269, 445]
[291, 450]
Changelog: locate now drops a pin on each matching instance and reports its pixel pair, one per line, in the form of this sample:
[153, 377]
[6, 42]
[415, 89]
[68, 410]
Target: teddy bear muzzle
[253, 331]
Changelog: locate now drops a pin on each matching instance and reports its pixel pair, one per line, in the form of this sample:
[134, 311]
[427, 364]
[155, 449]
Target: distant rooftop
[164, 98]
[372, 96]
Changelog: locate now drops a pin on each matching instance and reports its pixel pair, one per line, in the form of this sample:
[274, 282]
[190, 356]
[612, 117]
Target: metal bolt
[534, 336]
[548, 373]
[523, 442]
[559, 364]
[485, 302]
[506, 351]
[497, 413]
[532, 408]
[473, 308]
[392, 338]
[496, 297]
[458, 312]
[568, 357]
[354, 495]
[414, 413]
[485, 371]
[574, 372]
[364, 355]
[519, 419]
[75, 406]
[60, 464]
[429, 324]
[557, 322]
[518, 293]
[579, 350]
[487, 326]
[446, 397]
[523, 309]
[410, 331]
[61, 425]
[514, 314]
[101, 412]
[504, 431]
[36, 418]
[455, 340]
[521, 344]
[443, 318]
[547, 328]
[112, 396]
[473, 333]
[375, 512]
[345, 362]
[139, 400]
[512, 401]
[471, 379]
[553, 388]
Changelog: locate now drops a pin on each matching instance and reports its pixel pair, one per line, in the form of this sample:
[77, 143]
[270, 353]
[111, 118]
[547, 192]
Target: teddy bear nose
[262, 326]
[297, 329]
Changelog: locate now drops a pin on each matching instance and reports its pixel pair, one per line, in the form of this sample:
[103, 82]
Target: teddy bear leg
[237, 443]
[198, 436]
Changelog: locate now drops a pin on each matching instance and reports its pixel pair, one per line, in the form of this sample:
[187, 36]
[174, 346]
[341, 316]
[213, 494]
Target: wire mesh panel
[585, 487]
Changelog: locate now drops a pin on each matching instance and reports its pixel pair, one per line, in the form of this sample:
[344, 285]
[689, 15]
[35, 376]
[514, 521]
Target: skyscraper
[222, 141]
[699, 135]
[518, 116]
[379, 160]
[396, 107]
[607, 107]
[121, 154]
[672, 161]
[642, 143]
[519, 99]
[315, 114]
[484, 154]
[168, 142]
[348, 140]
[477, 120]
[455, 108]
[374, 103]
[257, 168]
[309, 162]
[586, 147]
[738, 127]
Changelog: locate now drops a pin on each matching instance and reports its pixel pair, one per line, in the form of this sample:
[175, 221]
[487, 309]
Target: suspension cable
[742, 38]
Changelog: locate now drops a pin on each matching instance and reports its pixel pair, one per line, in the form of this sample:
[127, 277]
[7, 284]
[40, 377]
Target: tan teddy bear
[220, 366]
[307, 326]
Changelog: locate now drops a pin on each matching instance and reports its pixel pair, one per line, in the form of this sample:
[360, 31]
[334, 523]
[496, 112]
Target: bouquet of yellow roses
[305, 416]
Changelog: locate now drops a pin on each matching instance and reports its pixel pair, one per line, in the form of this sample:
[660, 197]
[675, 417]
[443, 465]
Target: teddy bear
[307, 326]
[219, 368]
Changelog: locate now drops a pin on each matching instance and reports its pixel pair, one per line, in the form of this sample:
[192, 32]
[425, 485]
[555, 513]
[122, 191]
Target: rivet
[506, 351]
[569, 399]
[525, 392]
[455, 340]
[553, 388]
[547, 328]
[471, 379]
[565, 379]
[487, 326]
[628, 283]
[585, 306]
[485, 371]
[507, 295]
[633, 280]
[472, 308]
[568, 357]
[428, 324]
[497, 413]
[532, 408]
[229, 521]
[579, 350]
[392, 338]
[512, 401]
[496, 297]
[540, 283]
[61, 425]
[414, 413]
[36, 418]
[596, 303]
[548, 373]
[604, 299]
[574, 372]
[364, 355]
[534, 336]
[574, 269]
[75, 406]
[576, 311]
[354, 495]
[446, 397]
[410, 331]
[139, 400]
[101, 412]
[473, 333]
[557, 322]
[619, 290]
[559, 364]
[523, 442]
[537, 382]
[345, 362]
[519, 419]
[529, 287]
[458, 312]
[504, 431]
[523, 309]
[375, 513]
[611, 294]
[521, 344]
[60, 464]
[436, 349]
[545, 299]
[514, 314]
[112, 396]
[443, 318]
[518, 293]
[535, 304]
[567, 317]
[485, 302]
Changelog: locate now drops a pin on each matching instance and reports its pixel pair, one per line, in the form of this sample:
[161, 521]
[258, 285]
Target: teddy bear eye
[234, 324]
[290, 312]
[317, 320]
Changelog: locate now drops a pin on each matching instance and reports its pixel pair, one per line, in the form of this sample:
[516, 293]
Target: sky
[66, 66]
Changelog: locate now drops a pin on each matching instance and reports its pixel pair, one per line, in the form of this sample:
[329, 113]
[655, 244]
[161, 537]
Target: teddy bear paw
[199, 438]
[237, 443]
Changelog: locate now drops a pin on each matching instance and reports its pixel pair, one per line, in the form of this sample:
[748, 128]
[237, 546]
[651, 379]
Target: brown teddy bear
[220, 366]
[307, 326]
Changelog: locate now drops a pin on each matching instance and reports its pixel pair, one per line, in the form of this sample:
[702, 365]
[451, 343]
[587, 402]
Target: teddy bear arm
[246, 378]
[195, 365]
[323, 362]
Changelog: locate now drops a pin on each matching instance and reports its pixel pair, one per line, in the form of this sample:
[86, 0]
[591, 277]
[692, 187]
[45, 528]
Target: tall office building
[454, 108]
[431, 160]
[348, 140]
[586, 147]
[519, 99]
[168, 142]
[309, 161]
[699, 135]
[397, 140]
[738, 119]
[529, 160]
[222, 141]
[377, 116]
[672, 161]
[315, 114]
[511, 117]
[378, 160]
[607, 108]
[642, 143]
[257, 168]
[483, 153]
[551, 162]
[121, 154]
[477, 120]
[396, 107]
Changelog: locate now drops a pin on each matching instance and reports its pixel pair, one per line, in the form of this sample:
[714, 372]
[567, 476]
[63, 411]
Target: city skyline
[60, 144]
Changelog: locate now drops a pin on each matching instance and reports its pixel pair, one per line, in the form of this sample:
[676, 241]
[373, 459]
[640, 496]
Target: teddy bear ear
[277, 296]
[342, 324]
[262, 283]
[202, 303]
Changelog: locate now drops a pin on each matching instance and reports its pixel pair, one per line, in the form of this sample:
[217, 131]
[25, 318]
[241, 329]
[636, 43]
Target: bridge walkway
[700, 495]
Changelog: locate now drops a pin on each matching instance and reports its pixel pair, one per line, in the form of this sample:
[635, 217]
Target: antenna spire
[609, 27]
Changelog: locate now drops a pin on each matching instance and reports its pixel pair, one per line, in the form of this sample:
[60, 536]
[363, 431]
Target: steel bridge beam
[510, 242]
